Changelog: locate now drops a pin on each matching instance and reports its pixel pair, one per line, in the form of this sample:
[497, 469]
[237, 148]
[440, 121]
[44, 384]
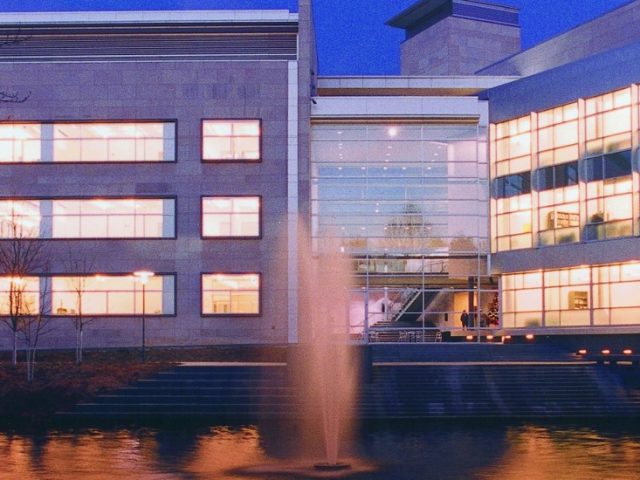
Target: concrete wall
[187, 92]
[613, 30]
[458, 46]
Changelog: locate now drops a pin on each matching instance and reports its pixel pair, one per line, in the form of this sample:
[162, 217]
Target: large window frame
[259, 291]
[49, 227]
[230, 214]
[60, 311]
[233, 123]
[49, 138]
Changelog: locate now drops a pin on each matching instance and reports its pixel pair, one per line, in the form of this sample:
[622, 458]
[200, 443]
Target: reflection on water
[423, 451]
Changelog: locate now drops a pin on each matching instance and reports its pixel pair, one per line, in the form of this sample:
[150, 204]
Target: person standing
[464, 319]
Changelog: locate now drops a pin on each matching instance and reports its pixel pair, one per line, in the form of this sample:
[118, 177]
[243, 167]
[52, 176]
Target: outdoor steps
[210, 390]
[434, 390]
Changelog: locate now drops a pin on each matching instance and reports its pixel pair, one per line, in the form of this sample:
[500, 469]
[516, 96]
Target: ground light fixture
[143, 277]
[627, 351]
[529, 336]
[469, 337]
[605, 351]
[489, 337]
[582, 351]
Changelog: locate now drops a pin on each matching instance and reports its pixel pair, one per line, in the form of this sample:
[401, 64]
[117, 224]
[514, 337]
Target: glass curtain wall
[584, 296]
[566, 174]
[408, 203]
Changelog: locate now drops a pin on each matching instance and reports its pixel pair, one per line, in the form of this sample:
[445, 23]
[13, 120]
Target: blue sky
[352, 37]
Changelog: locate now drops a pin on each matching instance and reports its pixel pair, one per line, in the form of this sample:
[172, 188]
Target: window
[558, 135]
[19, 296]
[88, 218]
[609, 197]
[107, 295]
[231, 140]
[574, 296]
[608, 122]
[513, 146]
[88, 142]
[513, 222]
[231, 217]
[231, 294]
[557, 177]
[512, 185]
[20, 142]
[612, 165]
[20, 218]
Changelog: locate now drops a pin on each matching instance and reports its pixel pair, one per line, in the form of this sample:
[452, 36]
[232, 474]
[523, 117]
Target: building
[487, 180]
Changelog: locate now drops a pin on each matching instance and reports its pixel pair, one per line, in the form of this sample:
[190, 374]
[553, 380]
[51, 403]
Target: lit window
[19, 218]
[230, 140]
[231, 216]
[88, 218]
[235, 294]
[113, 142]
[20, 142]
[112, 295]
[87, 142]
[113, 218]
[19, 296]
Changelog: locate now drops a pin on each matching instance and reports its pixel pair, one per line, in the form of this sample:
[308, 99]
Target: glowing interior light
[507, 337]
[469, 337]
[489, 337]
[529, 336]
[392, 131]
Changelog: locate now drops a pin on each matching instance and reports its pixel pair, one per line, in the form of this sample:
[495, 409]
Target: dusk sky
[352, 36]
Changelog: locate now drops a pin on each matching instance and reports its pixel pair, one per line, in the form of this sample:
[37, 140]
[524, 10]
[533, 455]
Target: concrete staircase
[393, 390]
[238, 391]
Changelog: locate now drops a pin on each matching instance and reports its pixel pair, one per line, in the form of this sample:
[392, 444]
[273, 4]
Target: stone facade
[185, 92]
[458, 46]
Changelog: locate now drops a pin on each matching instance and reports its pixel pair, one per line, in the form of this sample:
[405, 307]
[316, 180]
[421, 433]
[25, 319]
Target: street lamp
[143, 276]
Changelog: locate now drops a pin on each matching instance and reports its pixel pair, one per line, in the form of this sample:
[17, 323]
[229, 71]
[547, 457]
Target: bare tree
[22, 255]
[78, 285]
[35, 324]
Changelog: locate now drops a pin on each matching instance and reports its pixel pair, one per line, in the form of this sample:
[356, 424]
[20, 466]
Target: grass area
[59, 383]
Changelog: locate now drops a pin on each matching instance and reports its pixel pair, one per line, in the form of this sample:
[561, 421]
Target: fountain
[328, 366]
[323, 368]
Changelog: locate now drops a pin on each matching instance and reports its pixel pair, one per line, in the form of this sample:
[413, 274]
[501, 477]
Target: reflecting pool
[525, 451]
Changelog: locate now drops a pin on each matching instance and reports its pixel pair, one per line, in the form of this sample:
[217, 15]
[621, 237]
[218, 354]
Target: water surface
[528, 451]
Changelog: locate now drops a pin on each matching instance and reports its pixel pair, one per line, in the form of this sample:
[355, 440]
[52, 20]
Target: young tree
[22, 256]
[78, 285]
[34, 324]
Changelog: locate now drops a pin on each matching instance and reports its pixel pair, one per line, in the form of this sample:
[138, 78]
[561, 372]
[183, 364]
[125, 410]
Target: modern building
[484, 180]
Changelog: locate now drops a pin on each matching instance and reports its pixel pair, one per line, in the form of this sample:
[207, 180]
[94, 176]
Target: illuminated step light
[489, 337]
[507, 337]
[605, 351]
[469, 337]
[529, 336]
[582, 351]
[627, 351]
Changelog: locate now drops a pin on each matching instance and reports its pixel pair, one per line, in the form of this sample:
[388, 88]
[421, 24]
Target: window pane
[231, 216]
[112, 142]
[110, 295]
[231, 140]
[231, 294]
